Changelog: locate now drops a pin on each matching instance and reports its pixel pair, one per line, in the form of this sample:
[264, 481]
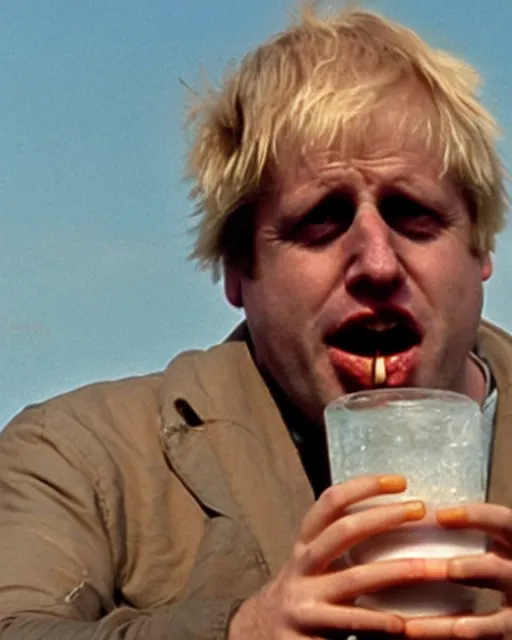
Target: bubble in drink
[442, 453]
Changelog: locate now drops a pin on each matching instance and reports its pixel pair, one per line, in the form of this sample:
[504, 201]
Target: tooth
[380, 325]
[379, 371]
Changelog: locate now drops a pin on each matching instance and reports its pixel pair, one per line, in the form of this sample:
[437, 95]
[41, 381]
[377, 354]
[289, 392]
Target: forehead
[402, 130]
[381, 159]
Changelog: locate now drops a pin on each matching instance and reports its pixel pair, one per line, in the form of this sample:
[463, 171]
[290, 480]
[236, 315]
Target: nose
[373, 269]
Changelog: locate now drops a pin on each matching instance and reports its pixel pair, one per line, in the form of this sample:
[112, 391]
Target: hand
[311, 597]
[492, 570]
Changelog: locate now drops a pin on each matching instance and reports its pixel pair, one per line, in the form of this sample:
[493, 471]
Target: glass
[437, 440]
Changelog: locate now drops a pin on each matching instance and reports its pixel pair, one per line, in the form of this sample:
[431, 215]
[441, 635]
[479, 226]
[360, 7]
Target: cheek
[294, 281]
[454, 282]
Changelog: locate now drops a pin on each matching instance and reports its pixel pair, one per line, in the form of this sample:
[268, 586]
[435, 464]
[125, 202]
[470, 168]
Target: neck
[475, 384]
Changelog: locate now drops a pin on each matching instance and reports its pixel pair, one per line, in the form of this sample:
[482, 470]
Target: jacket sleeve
[57, 557]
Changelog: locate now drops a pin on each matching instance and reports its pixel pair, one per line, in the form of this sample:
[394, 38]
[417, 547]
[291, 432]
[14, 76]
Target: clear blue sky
[94, 281]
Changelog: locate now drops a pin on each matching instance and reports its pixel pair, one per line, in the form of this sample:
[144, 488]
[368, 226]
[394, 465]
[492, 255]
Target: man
[350, 191]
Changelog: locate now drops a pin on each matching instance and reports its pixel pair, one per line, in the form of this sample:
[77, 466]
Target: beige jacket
[149, 508]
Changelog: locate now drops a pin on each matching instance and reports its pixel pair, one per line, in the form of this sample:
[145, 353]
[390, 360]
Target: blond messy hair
[316, 86]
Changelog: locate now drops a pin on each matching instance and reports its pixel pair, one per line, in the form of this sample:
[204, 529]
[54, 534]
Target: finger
[337, 498]
[317, 616]
[488, 571]
[493, 519]
[345, 532]
[490, 627]
[347, 585]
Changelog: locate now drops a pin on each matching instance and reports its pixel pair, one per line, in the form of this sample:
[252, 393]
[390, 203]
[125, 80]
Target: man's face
[356, 257]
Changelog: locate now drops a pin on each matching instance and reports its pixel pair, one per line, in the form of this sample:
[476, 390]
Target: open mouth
[382, 334]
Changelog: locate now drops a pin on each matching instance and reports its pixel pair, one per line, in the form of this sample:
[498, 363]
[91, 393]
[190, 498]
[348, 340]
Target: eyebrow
[428, 189]
[399, 175]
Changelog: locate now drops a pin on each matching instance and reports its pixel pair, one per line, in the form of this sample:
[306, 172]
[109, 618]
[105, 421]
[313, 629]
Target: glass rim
[371, 398]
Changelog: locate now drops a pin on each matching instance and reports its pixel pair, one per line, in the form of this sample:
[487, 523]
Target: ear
[233, 286]
[486, 266]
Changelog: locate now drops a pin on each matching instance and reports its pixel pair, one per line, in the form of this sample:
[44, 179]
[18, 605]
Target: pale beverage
[437, 441]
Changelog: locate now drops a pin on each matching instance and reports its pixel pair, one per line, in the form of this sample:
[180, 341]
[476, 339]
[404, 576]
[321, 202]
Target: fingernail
[415, 510]
[452, 517]
[392, 484]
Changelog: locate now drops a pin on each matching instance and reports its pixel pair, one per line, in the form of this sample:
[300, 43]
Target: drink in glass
[435, 439]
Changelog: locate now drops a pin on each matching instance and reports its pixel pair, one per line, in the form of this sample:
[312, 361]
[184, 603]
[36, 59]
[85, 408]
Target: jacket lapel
[239, 461]
[191, 457]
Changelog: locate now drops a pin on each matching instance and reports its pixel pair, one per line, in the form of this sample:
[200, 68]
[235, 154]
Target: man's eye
[410, 217]
[329, 219]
